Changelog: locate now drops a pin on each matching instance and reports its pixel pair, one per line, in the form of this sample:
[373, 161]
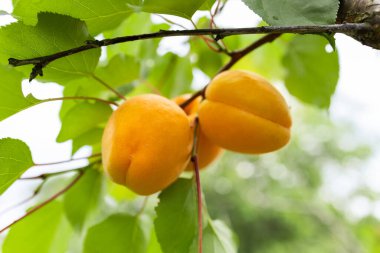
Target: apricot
[207, 151]
[146, 143]
[243, 112]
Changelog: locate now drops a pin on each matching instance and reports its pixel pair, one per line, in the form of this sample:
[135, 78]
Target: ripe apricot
[243, 112]
[146, 143]
[207, 151]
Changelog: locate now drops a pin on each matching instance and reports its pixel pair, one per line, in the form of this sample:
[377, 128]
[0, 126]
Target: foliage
[254, 204]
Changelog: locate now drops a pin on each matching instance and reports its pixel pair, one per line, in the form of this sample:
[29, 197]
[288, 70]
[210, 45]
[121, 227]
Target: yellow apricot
[146, 143]
[207, 151]
[243, 112]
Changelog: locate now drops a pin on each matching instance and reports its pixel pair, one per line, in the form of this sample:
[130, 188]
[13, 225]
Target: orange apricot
[207, 151]
[146, 143]
[243, 112]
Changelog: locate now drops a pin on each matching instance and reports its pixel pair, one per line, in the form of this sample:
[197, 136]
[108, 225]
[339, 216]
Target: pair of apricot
[148, 140]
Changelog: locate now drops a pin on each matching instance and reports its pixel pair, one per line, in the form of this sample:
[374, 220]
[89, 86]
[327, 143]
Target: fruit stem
[194, 160]
[191, 99]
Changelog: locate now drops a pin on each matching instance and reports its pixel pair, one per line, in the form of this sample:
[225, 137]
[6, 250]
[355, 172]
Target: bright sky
[356, 100]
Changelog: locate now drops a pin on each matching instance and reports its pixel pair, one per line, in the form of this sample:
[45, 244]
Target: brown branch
[40, 62]
[41, 205]
[360, 11]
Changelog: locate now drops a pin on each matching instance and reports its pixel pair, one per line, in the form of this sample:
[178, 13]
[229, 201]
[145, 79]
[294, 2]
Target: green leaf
[119, 233]
[185, 9]
[52, 34]
[12, 99]
[119, 74]
[137, 23]
[44, 231]
[154, 246]
[312, 73]
[176, 222]
[218, 238]
[92, 138]
[171, 75]
[82, 118]
[15, 159]
[99, 15]
[205, 59]
[121, 69]
[207, 5]
[295, 12]
[83, 197]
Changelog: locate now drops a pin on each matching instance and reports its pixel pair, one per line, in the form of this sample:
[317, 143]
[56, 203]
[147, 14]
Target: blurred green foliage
[274, 202]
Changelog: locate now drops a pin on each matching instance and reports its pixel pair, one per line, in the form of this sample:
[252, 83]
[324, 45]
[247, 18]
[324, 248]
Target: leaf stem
[46, 175]
[69, 160]
[41, 205]
[80, 98]
[96, 78]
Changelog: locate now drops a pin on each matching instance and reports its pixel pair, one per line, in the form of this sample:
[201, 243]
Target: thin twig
[222, 48]
[69, 160]
[194, 160]
[80, 98]
[35, 193]
[40, 62]
[171, 22]
[102, 82]
[57, 173]
[72, 183]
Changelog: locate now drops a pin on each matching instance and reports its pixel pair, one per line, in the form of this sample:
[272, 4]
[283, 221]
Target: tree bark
[359, 11]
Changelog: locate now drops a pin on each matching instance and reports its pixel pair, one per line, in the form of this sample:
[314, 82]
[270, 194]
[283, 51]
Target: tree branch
[72, 183]
[359, 11]
[40, 62]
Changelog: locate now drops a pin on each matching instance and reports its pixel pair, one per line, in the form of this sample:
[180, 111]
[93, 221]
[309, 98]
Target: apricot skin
[207, 151]
[146, 143]
[243, 112]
